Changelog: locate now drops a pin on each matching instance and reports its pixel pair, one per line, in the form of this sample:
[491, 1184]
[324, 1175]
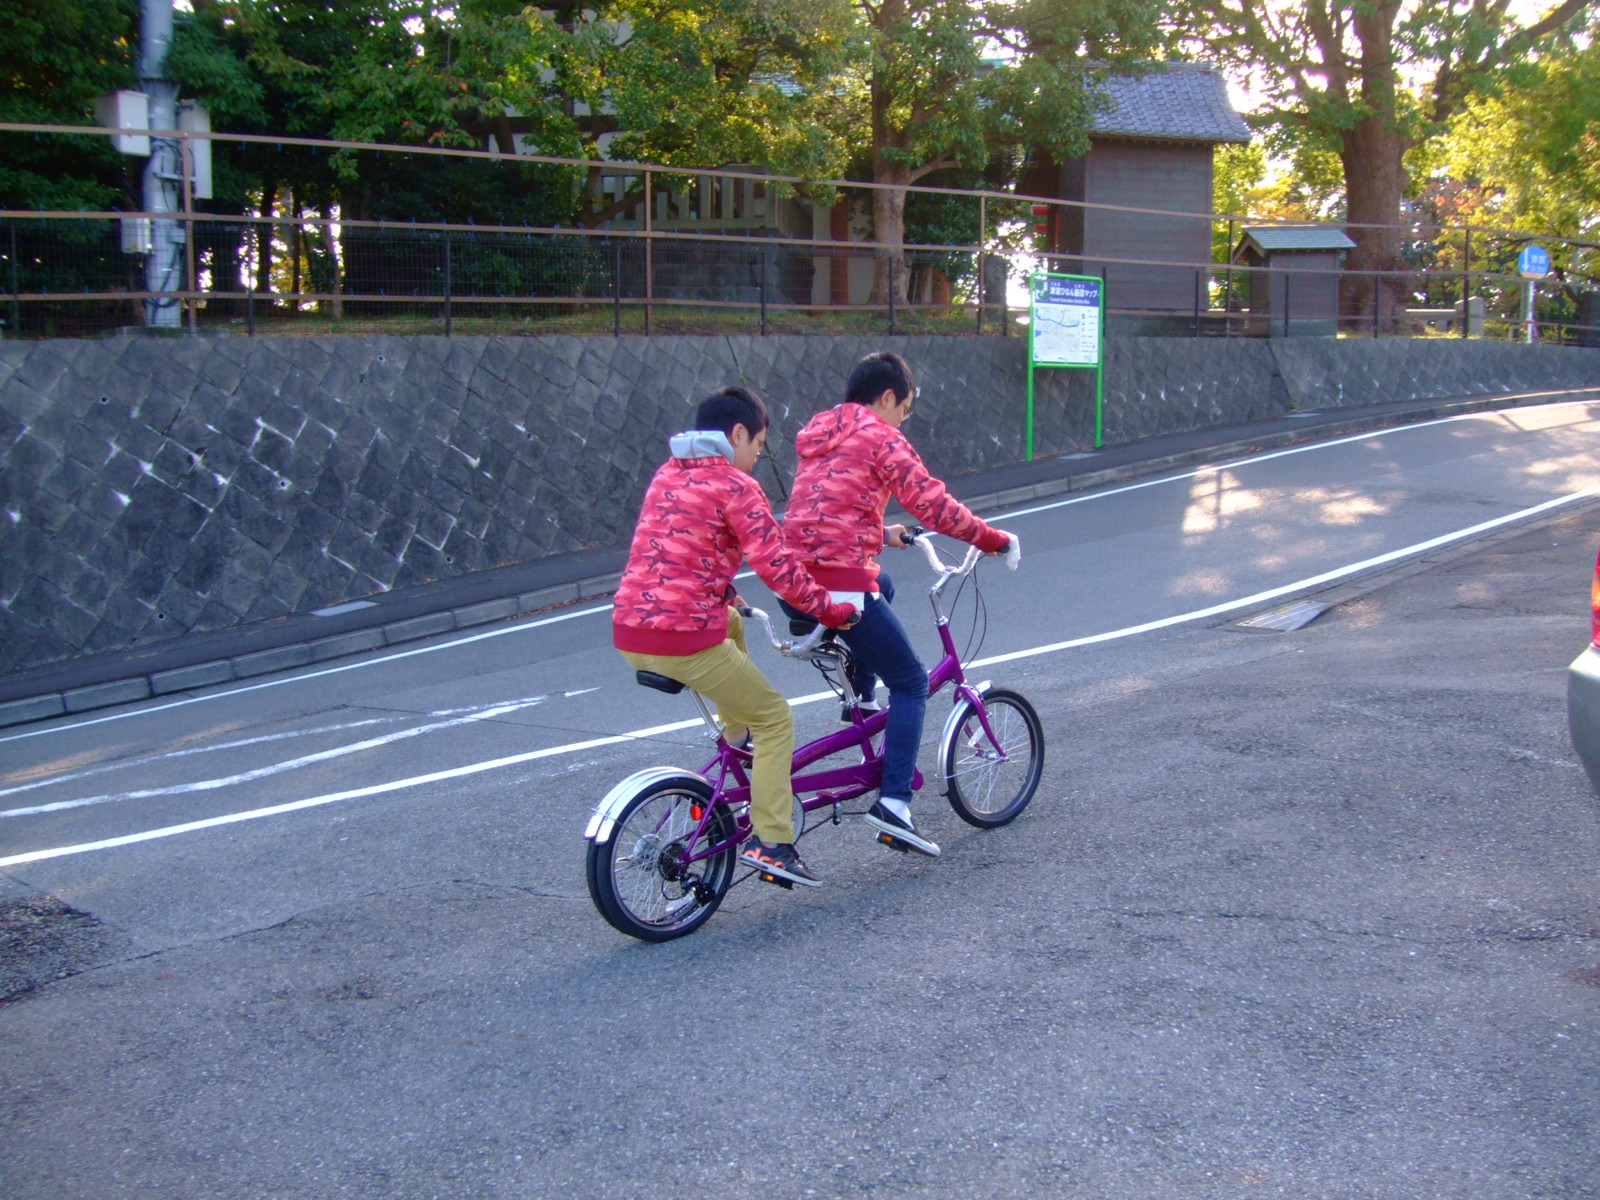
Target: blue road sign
[1533, 262]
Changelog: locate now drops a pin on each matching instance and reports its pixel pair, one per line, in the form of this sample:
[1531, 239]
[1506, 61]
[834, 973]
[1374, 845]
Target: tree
[1531, 149]
[1369, 80]
[56, 58]
[959, 83]
[708, 83]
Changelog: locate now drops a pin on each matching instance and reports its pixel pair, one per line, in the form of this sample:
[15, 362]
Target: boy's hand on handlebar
[898, 536]
[845, 622]
[1012, 551]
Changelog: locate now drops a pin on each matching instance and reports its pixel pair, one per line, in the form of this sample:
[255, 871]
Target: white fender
[604, 818]
[951, 728]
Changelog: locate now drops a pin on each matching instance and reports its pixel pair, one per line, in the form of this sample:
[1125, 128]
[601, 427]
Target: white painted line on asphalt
[322, 674]
[1254, 459]
[376, 789]
[1298, 585]
[524, 627]
[278, 768]
[145, 760]
[654, 731]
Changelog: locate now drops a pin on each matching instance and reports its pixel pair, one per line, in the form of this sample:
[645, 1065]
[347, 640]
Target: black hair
[732, 406]
[879, 373]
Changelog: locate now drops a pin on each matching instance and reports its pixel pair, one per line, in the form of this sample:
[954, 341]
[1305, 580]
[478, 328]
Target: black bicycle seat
[661, 683]
[801, 626]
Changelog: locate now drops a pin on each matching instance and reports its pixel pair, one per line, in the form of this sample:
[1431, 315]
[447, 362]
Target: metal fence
[734, 252]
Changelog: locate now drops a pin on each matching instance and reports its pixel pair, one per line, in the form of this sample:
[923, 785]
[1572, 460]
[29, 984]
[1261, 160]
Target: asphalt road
[1303, 913]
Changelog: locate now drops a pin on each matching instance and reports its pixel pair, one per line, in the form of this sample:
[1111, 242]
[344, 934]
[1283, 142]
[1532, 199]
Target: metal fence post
[16, 291]
[983, 278]
[447, 282]
[761, 289]
[891, 296]
[1375, 318]
[616, 289]
[649, 253]
[1466, 283]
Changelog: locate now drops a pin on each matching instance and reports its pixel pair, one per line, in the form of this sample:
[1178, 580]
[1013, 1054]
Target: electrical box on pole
[126, 110]
[193, 118]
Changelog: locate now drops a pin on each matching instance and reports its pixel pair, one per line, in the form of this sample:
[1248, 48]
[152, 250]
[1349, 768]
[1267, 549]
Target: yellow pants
[725, 675]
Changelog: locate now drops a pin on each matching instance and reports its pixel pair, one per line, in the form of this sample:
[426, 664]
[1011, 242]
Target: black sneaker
[899, 834]
[778, 864]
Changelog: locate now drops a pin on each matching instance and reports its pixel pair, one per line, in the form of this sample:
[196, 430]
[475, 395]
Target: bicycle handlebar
[785, 646]
[923, 540]
[919, 538]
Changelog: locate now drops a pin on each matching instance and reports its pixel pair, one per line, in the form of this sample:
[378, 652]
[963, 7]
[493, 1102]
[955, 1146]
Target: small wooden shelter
[1292, 289]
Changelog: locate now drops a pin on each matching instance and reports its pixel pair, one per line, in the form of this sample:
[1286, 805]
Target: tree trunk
[889, 231]
[1374, 187]
[889, 203]
[1372, 153]
[264, 234]
[335, 267]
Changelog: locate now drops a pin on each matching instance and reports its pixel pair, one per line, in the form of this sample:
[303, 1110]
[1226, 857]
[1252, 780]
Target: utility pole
[163, 173]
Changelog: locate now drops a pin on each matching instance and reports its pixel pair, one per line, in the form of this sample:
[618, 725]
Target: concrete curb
[252, 666]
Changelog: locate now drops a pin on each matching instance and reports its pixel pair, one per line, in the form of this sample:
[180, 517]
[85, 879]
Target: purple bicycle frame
[835, 785]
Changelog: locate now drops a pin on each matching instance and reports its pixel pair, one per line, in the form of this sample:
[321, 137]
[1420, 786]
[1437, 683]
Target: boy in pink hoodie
[702, 516]
[853, 457]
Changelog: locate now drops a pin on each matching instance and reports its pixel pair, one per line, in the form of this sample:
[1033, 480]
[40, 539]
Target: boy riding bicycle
[702, 515]
[853, 457]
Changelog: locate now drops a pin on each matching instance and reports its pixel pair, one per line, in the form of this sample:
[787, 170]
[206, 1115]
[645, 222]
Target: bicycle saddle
[661, 683]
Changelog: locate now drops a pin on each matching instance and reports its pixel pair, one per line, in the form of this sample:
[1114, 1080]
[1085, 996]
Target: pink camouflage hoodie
[700, 518]
[851, 462]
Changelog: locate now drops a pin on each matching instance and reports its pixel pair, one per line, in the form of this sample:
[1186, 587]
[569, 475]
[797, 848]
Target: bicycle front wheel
[641, 877]
[990, 779]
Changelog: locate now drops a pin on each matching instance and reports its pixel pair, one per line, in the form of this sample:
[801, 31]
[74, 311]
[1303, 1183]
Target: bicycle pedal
[894, 843]
[785, 884]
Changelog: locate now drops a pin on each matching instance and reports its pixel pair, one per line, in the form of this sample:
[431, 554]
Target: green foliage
[1527, 156]
[1364, 87]
[56, 57]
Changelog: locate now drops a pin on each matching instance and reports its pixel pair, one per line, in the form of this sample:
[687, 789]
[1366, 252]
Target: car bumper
[1583, 710]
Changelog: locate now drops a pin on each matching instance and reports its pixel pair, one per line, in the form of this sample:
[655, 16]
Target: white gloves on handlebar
[1013, 551]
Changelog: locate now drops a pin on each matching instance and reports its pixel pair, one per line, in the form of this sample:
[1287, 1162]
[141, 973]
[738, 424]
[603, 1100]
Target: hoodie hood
[701, 443]
[827, 429]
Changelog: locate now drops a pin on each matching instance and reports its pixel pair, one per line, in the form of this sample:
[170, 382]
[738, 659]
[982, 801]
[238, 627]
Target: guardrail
[710, 252]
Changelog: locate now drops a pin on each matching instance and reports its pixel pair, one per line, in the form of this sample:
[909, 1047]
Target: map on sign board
[1066, 321]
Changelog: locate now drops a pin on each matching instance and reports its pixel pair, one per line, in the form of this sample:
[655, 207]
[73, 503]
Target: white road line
[145, 760]
[355, 666]
[292, 764]
[524, 627]
[654, 731]
[1299, 585]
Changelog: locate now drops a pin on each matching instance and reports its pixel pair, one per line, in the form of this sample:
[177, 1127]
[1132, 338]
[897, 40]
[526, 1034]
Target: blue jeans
[880, 649]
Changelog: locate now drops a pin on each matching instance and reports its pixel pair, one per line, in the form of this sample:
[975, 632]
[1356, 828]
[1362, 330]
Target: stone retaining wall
[153, 487]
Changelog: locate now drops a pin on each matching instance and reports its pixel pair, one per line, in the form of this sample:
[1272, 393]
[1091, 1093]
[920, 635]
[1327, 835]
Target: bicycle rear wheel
[639, 877]
[990, 780]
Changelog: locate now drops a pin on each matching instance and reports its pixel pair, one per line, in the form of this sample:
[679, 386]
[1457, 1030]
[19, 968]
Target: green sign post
[1066, 328]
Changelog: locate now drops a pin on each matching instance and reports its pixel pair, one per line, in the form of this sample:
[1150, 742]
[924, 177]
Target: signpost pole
[1030, 400]
[1533, 264]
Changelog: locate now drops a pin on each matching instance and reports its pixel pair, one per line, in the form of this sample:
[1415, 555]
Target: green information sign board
[1066, 328]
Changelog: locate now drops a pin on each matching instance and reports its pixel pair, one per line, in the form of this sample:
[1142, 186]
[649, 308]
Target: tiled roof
[1173, 101]
[1296, 237]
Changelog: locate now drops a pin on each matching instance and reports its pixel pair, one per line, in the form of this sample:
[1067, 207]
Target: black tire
[636, 877]
[983, 789]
